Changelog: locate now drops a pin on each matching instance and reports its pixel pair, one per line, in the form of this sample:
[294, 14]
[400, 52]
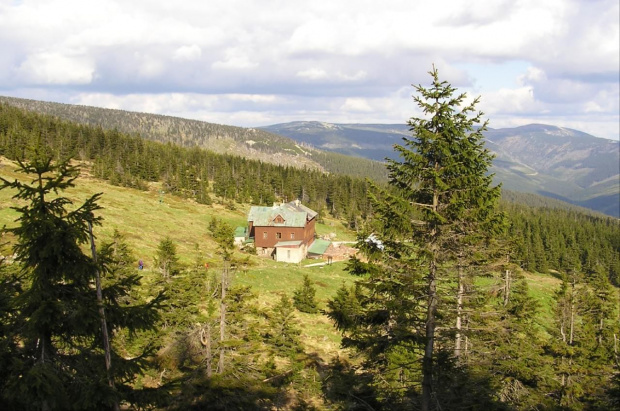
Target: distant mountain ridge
[560, 163]
[373, 141]
[557, 162]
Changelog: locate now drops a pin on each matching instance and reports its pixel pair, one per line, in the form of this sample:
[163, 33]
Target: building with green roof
[283, 231]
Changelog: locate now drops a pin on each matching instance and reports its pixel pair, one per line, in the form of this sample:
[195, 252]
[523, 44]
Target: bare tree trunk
[616, 349]
[467, 345]
[459, 311]
[562, 331]
[205, 339]
[427, 362]
[223, 317]
[507, 285]
[104, 325]
[563, 359]
[42, 359]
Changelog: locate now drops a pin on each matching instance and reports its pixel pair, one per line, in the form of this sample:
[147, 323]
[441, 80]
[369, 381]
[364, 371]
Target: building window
[278, 235]
[288, 254]
[264, 234]
[292, 236]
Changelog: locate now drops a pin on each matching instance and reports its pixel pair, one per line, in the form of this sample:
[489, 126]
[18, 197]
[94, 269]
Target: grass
[146, 217]
[542, 287]
[335, 230]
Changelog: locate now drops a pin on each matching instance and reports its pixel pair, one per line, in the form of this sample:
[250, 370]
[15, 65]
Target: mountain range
[556, 162]
[552, 161]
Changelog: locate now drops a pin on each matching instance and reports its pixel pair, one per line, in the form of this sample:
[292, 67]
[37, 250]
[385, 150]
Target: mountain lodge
[284, 231]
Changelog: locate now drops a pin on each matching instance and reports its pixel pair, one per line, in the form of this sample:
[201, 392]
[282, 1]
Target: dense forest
[500, 356]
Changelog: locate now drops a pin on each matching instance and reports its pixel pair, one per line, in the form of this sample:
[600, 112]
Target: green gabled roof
[241, 231]
[294, 214]
[319, 246]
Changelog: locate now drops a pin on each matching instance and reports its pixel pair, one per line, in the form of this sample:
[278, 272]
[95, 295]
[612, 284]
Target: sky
[253, 63]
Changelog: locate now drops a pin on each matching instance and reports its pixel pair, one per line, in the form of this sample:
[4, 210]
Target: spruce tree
[444, 176]
[282, 332]
[439, 209]
[59, 362]
[304, 297]
[166, 258]
[10, 286]
[58, 306]
[223, 234]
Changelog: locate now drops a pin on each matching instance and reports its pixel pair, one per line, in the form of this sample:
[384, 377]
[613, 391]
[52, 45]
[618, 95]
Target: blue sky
[250, 63]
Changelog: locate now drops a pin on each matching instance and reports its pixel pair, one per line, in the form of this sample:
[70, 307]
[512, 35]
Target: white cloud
[358, 75]
[188, 53]
[55, 68]
[517, 101]
[313, 74]
[339, 53]
[164, 103]
[356, 104]
[235, 58]
[255, 98]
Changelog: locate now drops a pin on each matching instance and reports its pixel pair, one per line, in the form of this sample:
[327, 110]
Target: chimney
[297, 202]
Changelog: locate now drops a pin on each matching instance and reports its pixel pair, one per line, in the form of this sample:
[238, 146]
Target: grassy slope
[146, 217]
[144, 221]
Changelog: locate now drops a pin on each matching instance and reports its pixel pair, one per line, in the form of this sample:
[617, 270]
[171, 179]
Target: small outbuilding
[318, 248]
[241, 235]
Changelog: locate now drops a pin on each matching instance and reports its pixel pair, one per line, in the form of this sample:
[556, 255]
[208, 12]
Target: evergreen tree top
[444, 167]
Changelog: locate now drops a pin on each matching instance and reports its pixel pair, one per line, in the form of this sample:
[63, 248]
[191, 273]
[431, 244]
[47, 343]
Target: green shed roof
[319, 246]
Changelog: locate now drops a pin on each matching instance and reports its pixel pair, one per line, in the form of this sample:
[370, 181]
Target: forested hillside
[190, 172]
[538, 316]
[243, 142]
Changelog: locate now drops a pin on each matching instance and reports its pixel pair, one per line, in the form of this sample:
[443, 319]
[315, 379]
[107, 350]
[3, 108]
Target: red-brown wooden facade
[277, 229]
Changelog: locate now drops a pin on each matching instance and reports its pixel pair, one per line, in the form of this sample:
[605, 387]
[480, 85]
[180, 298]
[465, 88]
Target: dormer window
[278, 219]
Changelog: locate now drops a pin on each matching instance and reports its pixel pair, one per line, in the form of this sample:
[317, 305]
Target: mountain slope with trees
[539, 308]
[555, 162]
[249, 143]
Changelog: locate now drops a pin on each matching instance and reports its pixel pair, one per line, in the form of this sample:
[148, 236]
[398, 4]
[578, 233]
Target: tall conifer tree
[56, 307]
[59, 363]
[439, 209]
[444, 175]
